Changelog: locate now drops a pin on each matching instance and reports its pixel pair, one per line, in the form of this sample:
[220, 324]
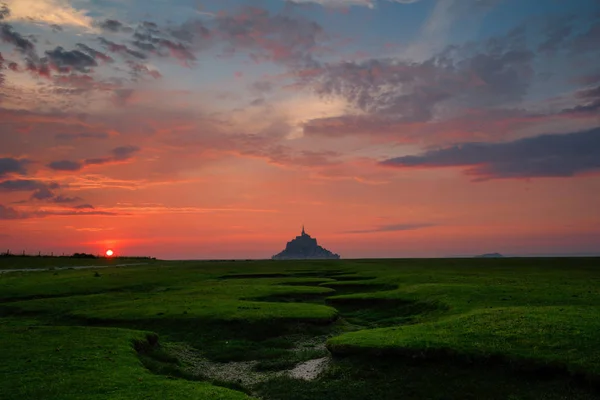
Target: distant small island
[304, 247]
[490, 255]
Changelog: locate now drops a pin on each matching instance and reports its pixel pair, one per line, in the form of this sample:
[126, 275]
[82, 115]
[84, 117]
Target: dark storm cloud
[65, 165]
[121, 49]
[10, 36]
[84, 207]
[64, 61]
[125, 152]
[189, 31]
[42, 193]
[12, 166]
[26, 185]
[541, 156]
[41, 190]
[394, 228]
[122, 153]
[95, 54]
[112, 25]
[63, 199]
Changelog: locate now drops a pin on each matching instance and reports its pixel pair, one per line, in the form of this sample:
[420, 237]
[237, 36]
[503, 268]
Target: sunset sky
[216, 128]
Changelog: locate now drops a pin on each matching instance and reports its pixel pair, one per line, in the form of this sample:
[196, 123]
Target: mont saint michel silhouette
[304, 247]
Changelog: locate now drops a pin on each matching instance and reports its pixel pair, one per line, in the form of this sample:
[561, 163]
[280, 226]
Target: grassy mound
[346, 287]
[179, 305]
[87, 363]
[369, 378]
[528, 337]
[230, 320]
[380, 312]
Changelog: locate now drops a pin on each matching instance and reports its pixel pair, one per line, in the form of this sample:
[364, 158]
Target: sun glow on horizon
[109, 253]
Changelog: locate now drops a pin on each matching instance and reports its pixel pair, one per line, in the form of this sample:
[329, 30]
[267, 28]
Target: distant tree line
[8, 253]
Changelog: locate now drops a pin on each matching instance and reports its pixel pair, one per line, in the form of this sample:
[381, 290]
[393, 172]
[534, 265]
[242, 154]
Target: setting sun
[109, 253]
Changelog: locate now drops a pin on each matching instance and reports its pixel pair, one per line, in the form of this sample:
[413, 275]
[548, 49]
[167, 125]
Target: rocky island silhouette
[304, 247]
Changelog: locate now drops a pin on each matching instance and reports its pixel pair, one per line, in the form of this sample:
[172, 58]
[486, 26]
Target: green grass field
[394, 329]
[32, 262]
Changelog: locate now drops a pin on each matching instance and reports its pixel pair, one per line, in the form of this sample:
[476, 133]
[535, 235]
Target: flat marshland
[514, 328]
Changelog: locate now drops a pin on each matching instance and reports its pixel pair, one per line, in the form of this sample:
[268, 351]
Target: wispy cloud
[393, 228]
[83, 135]
[91, 229]
[27, 212]
[435, 33]
[337, 3]
[102, 182]
[162, 209]
[347, 3]
[10, 213]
